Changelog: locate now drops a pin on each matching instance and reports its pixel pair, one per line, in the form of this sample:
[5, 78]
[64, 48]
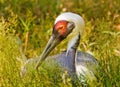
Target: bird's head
[67, 25]
[68, 20]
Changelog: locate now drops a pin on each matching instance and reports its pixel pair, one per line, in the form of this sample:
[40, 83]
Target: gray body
[82, 59]
[86, 72]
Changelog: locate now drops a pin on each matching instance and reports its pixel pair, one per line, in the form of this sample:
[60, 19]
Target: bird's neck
[71, 53]
[73, 43]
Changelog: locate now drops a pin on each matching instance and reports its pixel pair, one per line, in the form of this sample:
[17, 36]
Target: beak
[53, 42]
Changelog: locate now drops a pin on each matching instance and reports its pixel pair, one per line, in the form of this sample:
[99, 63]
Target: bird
[67, 25]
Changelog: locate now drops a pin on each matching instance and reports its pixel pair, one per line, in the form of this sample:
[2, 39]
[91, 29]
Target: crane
[67, 25]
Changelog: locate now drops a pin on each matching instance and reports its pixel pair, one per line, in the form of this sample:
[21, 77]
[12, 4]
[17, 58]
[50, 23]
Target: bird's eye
[61, 29]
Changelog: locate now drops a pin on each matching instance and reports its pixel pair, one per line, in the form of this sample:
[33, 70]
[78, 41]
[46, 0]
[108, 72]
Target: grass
[32, 20]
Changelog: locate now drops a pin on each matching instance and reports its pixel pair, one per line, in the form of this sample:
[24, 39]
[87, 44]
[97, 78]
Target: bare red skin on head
[61, 27]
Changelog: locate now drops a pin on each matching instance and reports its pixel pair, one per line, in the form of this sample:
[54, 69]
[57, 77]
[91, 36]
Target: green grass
[32, 20]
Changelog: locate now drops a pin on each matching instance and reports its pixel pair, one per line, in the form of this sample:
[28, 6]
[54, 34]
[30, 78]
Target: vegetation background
[32, 21]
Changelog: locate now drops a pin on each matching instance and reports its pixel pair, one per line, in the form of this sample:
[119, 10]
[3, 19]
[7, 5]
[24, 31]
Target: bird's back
[82, 58]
